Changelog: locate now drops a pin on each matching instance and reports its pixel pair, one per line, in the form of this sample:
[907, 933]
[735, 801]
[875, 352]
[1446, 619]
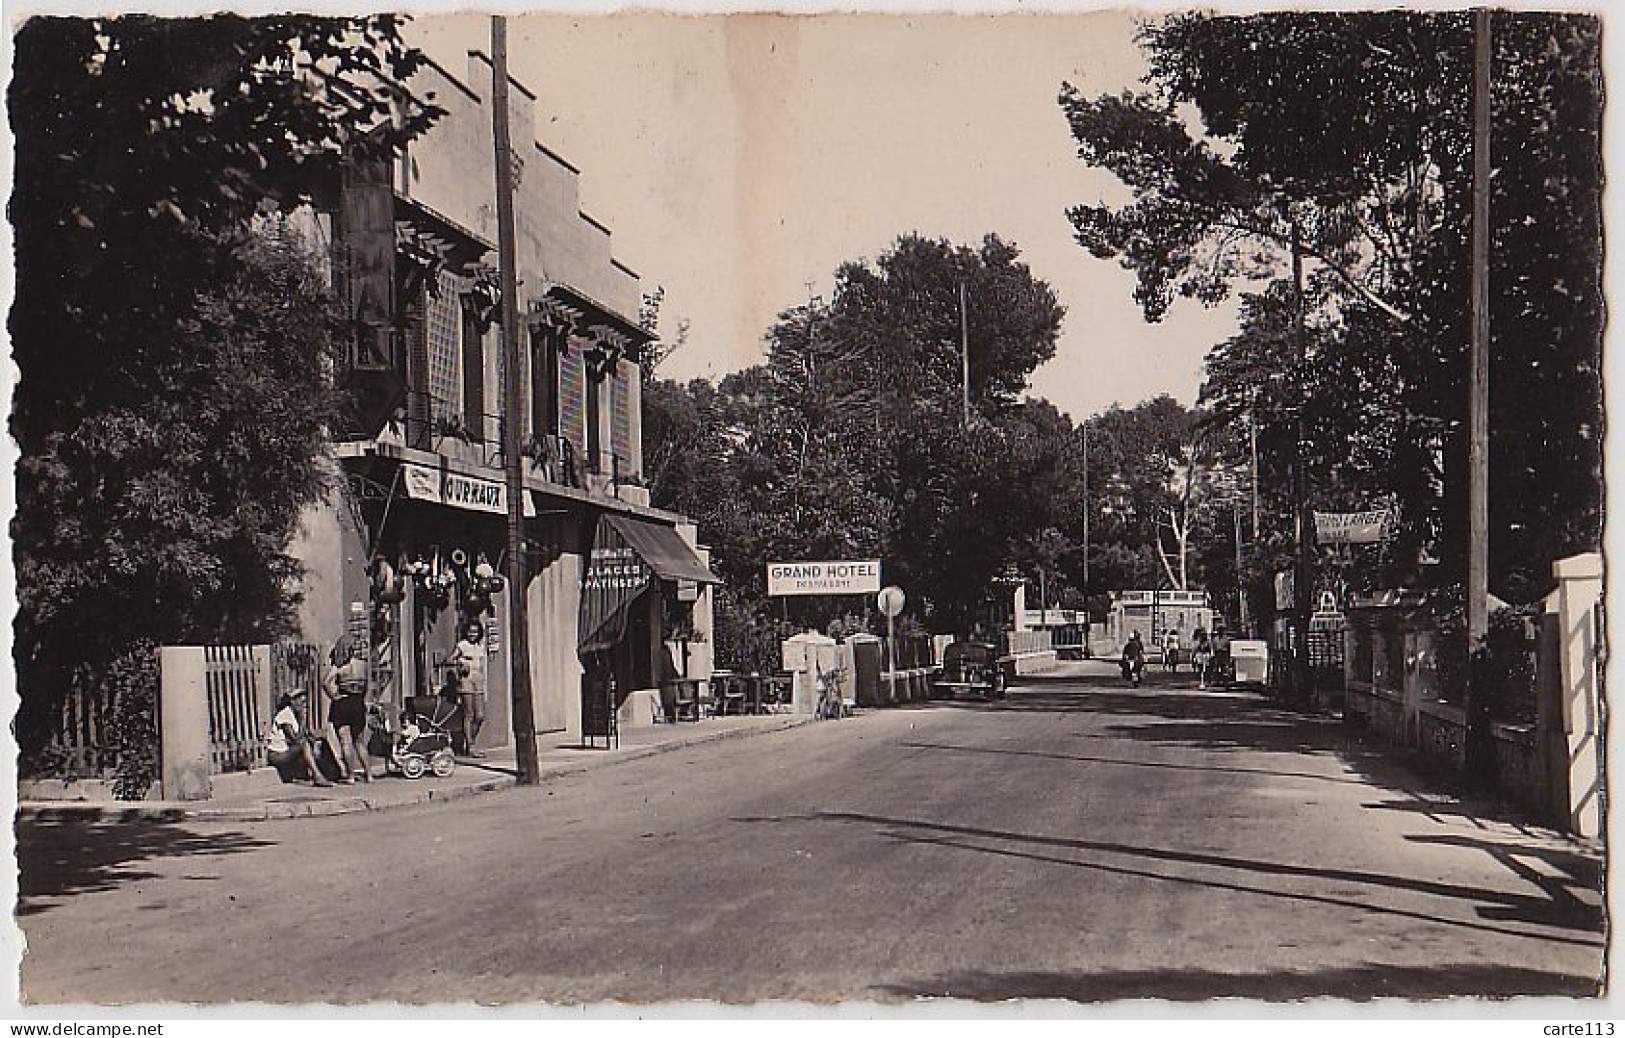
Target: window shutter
[573, 394]
[621, 441]
[473, 375]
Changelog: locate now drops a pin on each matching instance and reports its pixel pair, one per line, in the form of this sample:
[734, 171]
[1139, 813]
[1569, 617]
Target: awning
[663, 550]
[615, 577]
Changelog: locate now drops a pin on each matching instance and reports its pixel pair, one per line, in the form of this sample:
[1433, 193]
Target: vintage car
[970, 670]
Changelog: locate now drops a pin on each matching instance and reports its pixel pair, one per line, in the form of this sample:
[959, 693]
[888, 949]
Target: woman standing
[345, 686]
[468, 664]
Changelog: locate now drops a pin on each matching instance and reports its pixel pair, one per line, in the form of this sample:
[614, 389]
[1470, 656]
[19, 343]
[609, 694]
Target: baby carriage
[424, 742]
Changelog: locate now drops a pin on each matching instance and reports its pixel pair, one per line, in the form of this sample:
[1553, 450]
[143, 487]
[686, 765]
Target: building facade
[407, 552]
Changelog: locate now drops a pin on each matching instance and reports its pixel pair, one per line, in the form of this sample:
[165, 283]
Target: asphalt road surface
[1081, 841]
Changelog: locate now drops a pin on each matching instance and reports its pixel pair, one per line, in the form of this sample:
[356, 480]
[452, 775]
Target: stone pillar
[184, 713]
[1579, 590]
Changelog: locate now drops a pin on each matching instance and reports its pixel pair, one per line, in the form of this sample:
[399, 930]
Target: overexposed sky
[739, 158]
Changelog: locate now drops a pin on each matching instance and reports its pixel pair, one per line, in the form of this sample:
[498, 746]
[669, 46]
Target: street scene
[1078, 840]
[557, 510]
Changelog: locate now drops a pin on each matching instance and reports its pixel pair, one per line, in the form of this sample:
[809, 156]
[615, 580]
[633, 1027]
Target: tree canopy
[851, 439]
[1347, 136]
[174, 335]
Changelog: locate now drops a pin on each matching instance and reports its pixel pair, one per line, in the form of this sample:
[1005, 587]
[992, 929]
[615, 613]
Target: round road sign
[890, 601]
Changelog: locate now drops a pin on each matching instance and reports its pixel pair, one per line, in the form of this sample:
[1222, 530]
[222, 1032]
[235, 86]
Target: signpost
[1352, 527]
[890, 601]
[823, 578]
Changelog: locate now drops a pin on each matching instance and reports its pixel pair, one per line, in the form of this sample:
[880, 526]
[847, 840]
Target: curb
[177, 811]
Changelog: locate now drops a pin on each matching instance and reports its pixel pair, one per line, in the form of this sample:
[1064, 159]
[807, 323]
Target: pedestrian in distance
[345, 686]
[1133, 662]
[1170, 651]
[468, 671]
[288, 745]
[1201, 656]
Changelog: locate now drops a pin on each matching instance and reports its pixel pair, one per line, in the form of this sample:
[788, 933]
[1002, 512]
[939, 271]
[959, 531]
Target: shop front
[431, 541]
[637, 600]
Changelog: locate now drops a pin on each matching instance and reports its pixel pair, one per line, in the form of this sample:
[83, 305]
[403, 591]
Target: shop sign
[456, 490]
[1352, 527]
[617, 569]
[859, 577]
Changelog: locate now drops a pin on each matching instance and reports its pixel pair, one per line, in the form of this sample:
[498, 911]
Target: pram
[424, 743]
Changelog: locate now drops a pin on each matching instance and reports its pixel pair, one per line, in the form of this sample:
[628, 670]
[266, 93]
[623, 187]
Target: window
[473, 374]
[444, 328]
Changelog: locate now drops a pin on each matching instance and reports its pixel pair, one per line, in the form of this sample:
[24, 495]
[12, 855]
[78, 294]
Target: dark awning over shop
[614, 579]
[663, 550]
[627, 559]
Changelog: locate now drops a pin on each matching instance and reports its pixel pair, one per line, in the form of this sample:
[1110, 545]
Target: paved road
[1080, 841]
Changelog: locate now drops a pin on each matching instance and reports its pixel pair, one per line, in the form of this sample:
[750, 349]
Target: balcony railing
[423, 426]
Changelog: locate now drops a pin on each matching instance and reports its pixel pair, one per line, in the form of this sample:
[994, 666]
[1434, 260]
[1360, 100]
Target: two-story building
[409, 547]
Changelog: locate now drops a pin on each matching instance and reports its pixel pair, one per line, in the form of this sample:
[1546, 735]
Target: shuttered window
[443, 327]
[621, 404]
[473, 375]
[573, 399]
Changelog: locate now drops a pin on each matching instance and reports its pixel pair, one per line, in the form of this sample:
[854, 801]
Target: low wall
[1034, 662]
[1441, 734]
[1379, 711]
[1437, 734]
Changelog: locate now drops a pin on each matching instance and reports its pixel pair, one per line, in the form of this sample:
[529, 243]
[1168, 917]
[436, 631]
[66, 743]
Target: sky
[741, 158]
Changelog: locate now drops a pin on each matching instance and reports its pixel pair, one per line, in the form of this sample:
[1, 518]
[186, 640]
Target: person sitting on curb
[288, 744]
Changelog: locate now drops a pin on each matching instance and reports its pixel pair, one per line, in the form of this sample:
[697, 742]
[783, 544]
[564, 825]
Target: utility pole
[524, 722]
[1087, 648]
[1478, 463]
[1252, 447]
[1241, 586]
[1480, 749]
[964, 350]
[1302, 521]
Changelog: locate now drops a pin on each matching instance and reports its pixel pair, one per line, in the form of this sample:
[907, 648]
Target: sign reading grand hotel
[860, 577]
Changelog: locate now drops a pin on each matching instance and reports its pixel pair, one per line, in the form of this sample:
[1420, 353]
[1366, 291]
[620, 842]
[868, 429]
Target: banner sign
[823, 578]
[616, 575]
[1352, 527]
[458, 491]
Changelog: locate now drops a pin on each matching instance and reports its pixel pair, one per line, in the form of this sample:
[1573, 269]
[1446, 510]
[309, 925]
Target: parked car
[970, 669]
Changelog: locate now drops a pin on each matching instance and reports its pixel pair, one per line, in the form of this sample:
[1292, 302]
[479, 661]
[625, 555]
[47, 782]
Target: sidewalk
[259, 796]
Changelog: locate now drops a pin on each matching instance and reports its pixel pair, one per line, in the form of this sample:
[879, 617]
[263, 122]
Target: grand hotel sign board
[858, 577]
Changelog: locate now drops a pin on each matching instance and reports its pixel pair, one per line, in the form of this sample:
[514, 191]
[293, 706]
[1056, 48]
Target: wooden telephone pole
[1480, 745]
[524, 721]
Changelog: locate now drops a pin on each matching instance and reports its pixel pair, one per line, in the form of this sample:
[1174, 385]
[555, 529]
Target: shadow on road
[1359, 983]
[1243, 875]
[1180, 716]
[1559, 874]
[61, 858]
[1084, 758]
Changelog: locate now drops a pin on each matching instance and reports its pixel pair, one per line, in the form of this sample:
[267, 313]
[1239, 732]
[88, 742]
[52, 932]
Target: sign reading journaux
[859, 577]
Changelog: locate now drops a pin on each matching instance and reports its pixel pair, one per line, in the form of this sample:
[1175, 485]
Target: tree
[1346, 136]
[851, 440]
[1161, 468]
[173, 341]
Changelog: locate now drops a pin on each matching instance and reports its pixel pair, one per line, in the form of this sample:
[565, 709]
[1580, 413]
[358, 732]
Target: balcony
[551, 459]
